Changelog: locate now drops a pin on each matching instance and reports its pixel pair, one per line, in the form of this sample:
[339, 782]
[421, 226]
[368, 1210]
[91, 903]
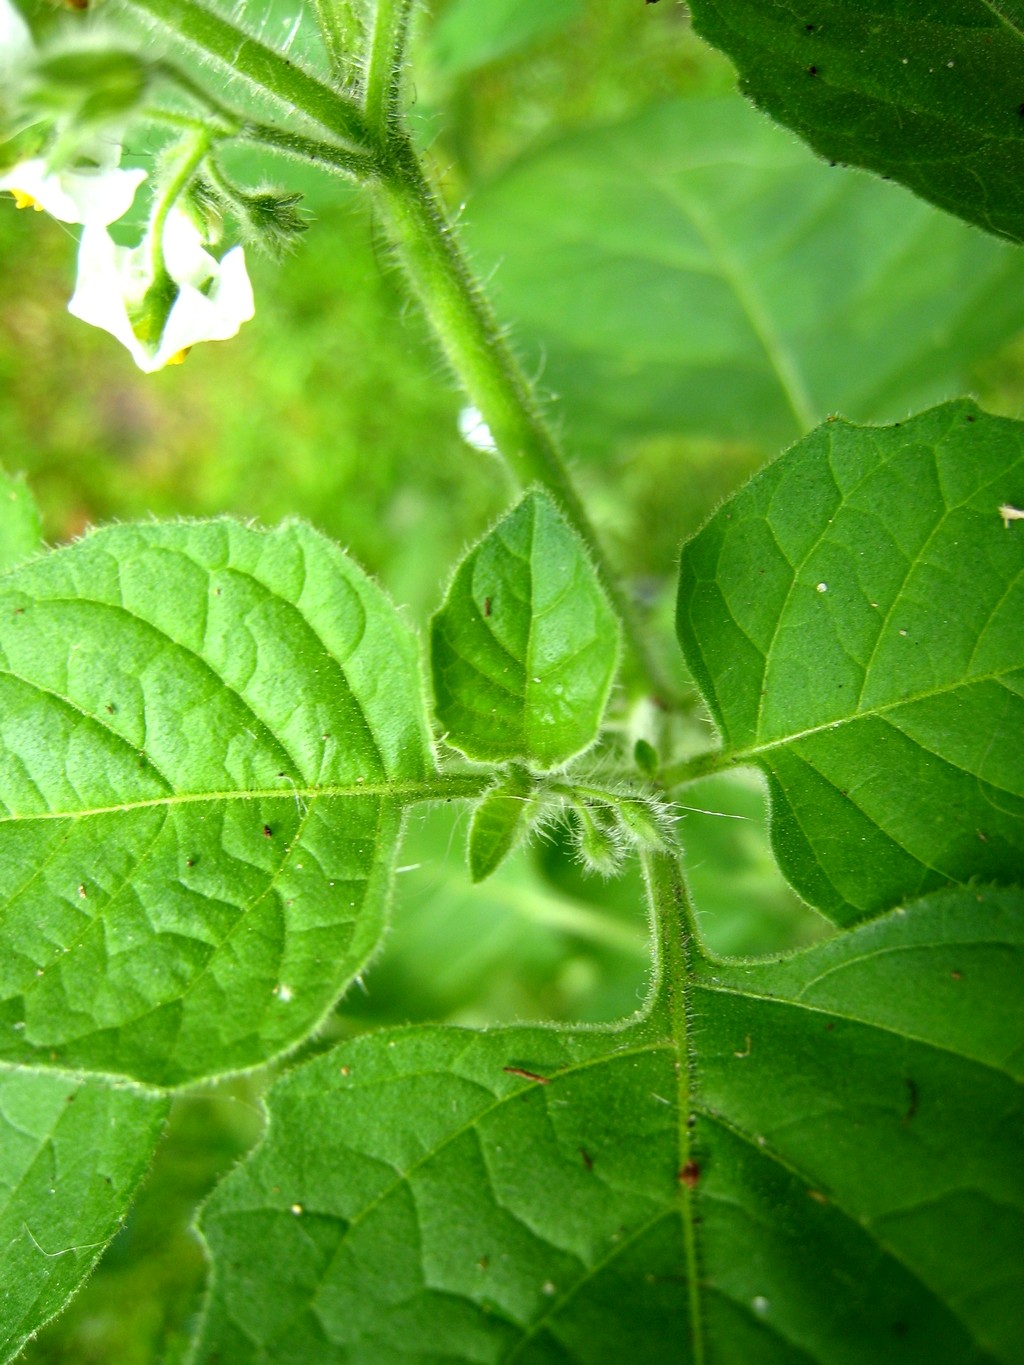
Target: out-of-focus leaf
[855, 620]
[520, 945]
[469, 35]
[20, 528]
[696, 270]
[72, 1154]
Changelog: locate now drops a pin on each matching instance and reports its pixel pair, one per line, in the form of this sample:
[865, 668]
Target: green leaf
[20, 527]
[855, 620]
[208, 732]
[694, 269]
[929, 93]
[525, 646]
[72, 1154]
[826, 1170]
[499, 822]
[469, 36]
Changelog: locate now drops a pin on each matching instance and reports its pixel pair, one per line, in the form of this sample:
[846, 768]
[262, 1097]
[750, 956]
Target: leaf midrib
[410, 792]
[753, 751]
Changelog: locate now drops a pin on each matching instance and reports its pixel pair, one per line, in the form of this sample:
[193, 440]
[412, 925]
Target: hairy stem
[674, 934]
[700, 765]
[336, 28]
[192, 152]
[440, 275]
[263, 67]
[480, 356]
[384, 62]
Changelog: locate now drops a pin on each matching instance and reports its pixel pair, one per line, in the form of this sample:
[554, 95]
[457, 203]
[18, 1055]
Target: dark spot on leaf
[588, 1160]
[812, 71]
[690, 1174]
[809, 28]
[969, 417]
[19, 611]
[912, 1100]
[1020, 110]
[268, 833]
[829, 1026]
[110, 708]
[483, 1262]
[190, 862]
[487, 600]
[957, 976]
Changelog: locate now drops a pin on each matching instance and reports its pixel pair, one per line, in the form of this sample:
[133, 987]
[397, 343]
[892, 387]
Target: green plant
[213, 734]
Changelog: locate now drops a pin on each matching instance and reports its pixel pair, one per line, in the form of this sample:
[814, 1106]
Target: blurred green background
[696, 288]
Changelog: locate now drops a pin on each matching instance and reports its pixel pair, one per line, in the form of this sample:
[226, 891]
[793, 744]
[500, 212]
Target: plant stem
[192, 154]
[336, 29]
[480, 356]
[356, 165]
[456, 307]
[263, 67]
[674, 934]
[384, 60]
[700, 765]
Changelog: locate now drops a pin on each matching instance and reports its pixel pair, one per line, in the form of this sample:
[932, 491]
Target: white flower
[98, 192]
[199, 298]
[475, 431]
[78, 194]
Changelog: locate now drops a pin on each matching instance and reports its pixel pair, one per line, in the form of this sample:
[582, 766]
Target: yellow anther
[25, 201]
[178, 358]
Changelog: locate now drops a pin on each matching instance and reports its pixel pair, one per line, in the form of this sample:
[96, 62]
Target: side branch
[263, 67]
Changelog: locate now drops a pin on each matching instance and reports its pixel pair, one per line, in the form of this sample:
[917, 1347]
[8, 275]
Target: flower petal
[85, 195]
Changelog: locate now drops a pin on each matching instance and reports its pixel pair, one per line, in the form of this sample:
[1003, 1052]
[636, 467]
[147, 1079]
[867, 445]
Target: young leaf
[525, 646]
[20, 527]
[855, 620]
[208, 733]
[694, 269]
[499, 822]
[825, 1170]
[72, 1154]
[930, 94]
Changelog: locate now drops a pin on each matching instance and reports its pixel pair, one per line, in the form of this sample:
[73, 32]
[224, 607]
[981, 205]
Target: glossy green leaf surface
[927, 92]
[20, 529]
[525, 647]
[695, 269]
[207, 735]
[855, 620]
[826, 1172]
[72, 1154]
